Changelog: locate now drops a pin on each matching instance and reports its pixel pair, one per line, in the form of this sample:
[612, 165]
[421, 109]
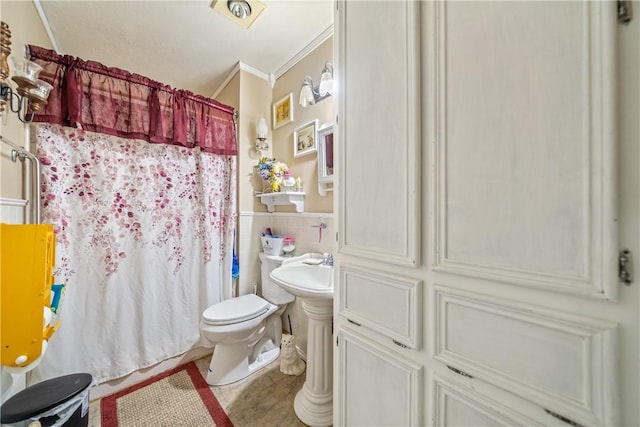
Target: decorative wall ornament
[282, 111]
[305, 139]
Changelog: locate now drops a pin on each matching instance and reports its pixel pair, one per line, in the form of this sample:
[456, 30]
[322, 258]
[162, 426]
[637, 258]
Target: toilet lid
[235, 310]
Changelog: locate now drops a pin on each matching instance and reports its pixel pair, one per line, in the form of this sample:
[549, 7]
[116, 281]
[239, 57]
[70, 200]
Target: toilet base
[230, 363]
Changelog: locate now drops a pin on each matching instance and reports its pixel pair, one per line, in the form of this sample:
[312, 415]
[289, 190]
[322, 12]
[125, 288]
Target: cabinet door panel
[388, 304]
[376, 387]
[526, 144]
[563, 363]
[379, 139]
[463, 402]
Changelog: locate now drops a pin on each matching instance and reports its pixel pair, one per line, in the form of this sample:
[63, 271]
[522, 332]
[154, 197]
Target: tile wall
[303, 228]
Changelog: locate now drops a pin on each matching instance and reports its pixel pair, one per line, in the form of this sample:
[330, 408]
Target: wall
[26, 28]
[305, 166]
[230, 95]
[256, 97]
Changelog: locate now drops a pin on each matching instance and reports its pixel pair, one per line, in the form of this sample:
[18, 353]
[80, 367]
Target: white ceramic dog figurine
[290, 362]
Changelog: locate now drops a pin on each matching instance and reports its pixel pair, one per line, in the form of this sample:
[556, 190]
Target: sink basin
[304, 280]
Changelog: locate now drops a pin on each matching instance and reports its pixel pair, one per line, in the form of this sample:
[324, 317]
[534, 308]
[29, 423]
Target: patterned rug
[179, 397]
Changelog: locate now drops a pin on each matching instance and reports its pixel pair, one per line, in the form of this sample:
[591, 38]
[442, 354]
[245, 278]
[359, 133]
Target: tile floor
[263, 399]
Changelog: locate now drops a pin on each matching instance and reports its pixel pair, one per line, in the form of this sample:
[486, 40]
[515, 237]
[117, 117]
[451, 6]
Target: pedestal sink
[313, 284]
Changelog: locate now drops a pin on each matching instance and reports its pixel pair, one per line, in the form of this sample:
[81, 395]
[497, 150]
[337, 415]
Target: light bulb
[326, 80]
[306, 95]
[326, 84]
[262, 129]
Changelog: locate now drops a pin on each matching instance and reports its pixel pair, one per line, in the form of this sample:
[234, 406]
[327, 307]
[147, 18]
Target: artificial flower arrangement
[271, 172]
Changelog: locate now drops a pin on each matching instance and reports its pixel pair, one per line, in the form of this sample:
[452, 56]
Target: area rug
[179, 397]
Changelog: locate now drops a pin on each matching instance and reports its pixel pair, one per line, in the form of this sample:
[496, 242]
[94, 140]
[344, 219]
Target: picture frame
[325, 154]
[305, 139]
[282, 111]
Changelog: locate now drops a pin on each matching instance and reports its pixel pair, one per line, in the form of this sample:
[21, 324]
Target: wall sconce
[31, 94]
[262, 130]
[309, 94]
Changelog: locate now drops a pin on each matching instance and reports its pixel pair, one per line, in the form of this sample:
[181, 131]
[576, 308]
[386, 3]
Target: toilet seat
[235, 310]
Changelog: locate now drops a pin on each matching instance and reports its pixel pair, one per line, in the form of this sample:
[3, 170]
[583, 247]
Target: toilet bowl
[246, 330]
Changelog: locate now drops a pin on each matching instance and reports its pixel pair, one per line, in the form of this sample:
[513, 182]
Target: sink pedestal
[314, 402]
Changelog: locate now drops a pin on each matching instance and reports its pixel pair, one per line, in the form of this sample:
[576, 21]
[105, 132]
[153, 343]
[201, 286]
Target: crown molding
[244, 67]
[323, 36]
[272, 77]
[45, 24]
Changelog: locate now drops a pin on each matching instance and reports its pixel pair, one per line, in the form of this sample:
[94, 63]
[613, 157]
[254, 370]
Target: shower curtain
[143, 244]
[138, 180]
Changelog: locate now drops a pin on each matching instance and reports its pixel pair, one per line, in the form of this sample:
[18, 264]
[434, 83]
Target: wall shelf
[283, 198]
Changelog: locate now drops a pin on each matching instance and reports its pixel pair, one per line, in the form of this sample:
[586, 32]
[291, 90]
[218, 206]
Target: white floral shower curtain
[144, 240]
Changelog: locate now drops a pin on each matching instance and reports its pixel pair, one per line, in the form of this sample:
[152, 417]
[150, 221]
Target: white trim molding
[45, 23]
[328, 32]
[244, 67]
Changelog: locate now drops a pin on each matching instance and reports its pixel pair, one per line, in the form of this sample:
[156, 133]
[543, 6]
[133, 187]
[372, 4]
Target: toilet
[246, 330]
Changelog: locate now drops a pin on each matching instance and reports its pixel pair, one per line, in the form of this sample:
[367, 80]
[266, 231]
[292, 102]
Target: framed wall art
[282, 111]
[305, 139]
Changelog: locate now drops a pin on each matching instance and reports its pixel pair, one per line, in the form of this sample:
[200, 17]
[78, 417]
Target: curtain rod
[37, 52]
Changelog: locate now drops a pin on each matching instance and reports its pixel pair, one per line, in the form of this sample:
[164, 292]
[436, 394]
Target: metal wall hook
[321, 226]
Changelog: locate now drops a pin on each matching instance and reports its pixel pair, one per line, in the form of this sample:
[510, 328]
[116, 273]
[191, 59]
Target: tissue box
[272, 245]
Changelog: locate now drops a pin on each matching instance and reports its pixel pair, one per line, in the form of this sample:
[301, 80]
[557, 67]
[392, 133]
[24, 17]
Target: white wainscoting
[300, 226]
[13, 211]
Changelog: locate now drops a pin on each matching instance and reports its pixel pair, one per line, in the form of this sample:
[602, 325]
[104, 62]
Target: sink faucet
[328, 260]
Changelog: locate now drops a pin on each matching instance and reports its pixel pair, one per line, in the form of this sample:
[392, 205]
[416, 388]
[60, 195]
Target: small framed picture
[282, 111]
[305, 139]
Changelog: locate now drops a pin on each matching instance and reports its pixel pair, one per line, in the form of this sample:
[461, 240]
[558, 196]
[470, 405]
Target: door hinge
[625, 266]
[624, 11]
[337, 341]
[563, 418]
[459, 372]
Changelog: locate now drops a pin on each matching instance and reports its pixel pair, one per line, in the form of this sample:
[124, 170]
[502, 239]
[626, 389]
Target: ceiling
[185, 44]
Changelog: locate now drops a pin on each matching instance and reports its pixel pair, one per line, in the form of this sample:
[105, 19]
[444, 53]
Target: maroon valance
[115, 102]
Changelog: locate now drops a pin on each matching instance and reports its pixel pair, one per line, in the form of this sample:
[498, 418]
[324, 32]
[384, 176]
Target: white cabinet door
[377, 387]
[524, 199]
[525, 149]
[378, 204]
[506, 191]
[378, 66]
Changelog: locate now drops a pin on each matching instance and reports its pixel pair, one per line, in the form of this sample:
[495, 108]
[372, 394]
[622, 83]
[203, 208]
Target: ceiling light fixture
[242, 12]
[239, 8]
[309, 94]
[31, 94]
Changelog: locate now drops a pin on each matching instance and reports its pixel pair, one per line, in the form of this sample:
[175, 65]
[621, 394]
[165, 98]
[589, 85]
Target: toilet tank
[270, 290]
